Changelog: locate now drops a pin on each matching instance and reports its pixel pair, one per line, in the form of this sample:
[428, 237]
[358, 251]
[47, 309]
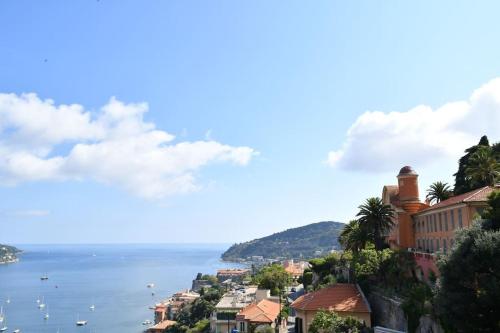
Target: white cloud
[383, 141]
[43, 141]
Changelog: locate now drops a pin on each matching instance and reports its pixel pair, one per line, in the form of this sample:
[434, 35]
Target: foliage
[307, 278]
[438, 192]
[416, 304]
[353, 237]
[293, 243]
[376, 219]
[469, 290]
[492, 213]
[273, 277]
[201, 308]
[202, 326]
[462, 185]
[483, 168]
[177, 328]
[330, 322]
[264, 329]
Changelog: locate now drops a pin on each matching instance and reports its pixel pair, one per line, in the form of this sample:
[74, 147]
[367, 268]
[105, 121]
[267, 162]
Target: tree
[273, 277]
[353, 237]
[376, 219]
[462, 185]
[483, 169]
[438, 192]
[469, 287]
[330, 322]
[492, 213]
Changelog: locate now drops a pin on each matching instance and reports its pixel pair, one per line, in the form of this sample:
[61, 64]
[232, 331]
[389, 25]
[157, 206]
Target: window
[299, 325]
[435, 222]
[438, 246]
[452, 216]
[440, 222]
[427, 223]
[445, 248]
[242, 326]
[445, 221]
[460, 222]
[432, 245]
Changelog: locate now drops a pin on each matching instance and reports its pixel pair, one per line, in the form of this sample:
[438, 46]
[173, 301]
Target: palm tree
[353, 237]
[483, 168]
[376, 218]
[438, 191]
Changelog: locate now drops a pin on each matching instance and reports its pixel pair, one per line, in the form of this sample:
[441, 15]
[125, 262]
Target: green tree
[330, 322]
[353, 237]
[376, 219]
[469, 287]
[438, 192]
[462, 185]
[202, 326]
[492, 213]
[483, 168]
[273, 277]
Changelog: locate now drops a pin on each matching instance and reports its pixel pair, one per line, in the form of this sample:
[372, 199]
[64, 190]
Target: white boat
[150, 285]
[8, 300]
[1, 314]
[80, 322]
[147, 322]
[46, 317]
[41, 305]
[16, 331]
[92, 307]
[4, 327]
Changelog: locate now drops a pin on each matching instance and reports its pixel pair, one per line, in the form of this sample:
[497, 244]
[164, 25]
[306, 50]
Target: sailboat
[80, 322]
[1, 314]
[46, 317]
[41, 305]
[44, 277]
[8, 300]
[4, 327]
[92, 306]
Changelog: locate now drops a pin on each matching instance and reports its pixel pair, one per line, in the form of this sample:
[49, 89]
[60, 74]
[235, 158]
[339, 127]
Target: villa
[427, 229]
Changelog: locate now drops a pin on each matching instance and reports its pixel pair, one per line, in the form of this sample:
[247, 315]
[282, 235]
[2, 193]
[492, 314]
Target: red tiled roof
[265, 311]
[477, 195]
[341, 297]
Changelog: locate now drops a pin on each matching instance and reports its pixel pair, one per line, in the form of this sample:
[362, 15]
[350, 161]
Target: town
[403, 268]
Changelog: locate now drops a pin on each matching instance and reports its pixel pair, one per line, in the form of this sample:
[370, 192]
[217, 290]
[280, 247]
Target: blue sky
[260, 97]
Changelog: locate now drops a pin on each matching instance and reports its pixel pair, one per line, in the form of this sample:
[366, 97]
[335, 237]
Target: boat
[4, 327]
[44, 277]
[147, 322]
[41, 305]
[8, 300]
[16, 331]
[92, 307]
[1, 314]
[150, 285]
[46, 317]
[80, 322]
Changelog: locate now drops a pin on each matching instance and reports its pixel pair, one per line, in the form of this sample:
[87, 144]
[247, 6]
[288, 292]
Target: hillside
[8, 254]
[295, 243]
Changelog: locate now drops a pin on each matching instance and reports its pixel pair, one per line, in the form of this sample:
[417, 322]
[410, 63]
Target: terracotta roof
[341, 297]
[265, 311]
[294, 269]
[163, 324]
[478, 195]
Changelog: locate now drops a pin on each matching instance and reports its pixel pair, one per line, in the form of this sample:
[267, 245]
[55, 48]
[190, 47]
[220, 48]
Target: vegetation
[492, 214]
[375, 218]
[273, 277]
[469, 284]
[353, 237]
[296, 243]
[438, 192]
[478, 167]
[330, 322]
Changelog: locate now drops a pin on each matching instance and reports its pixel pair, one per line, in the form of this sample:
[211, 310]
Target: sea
[113, 278]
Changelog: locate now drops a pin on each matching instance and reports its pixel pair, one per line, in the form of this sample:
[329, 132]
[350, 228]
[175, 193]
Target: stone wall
[387, 312]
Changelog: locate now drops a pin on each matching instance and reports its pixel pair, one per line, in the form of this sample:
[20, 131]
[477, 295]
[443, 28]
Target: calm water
[113, 277]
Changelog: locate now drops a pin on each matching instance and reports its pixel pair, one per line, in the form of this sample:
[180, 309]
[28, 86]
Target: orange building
[429, 229]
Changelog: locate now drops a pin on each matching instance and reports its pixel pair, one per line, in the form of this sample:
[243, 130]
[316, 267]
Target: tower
[408, 185]
[410, 202]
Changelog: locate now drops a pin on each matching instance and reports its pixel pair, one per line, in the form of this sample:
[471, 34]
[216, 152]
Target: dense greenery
[438, 192]
[194, 318]
[469, 289]
[330, 322]
[376, 219]
[478, 167]
[353, 237]
[273, 277]
[294, 243]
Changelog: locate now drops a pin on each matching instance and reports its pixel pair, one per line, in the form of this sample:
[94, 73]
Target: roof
[340, 297]
[234, 271]
[478, 195]
[294, 269]
[407, 170]
[163, 324]
[265, 311]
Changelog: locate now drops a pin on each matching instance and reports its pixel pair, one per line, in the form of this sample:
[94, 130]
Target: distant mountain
[8, 254]
[302, 242]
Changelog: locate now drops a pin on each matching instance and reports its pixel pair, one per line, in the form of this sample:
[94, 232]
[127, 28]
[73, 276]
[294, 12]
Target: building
[223, 319]
[168, 309]
[345, 299]
[264, 312]
[161, 326]
[234, 274]
[427, 229]
[295, 269]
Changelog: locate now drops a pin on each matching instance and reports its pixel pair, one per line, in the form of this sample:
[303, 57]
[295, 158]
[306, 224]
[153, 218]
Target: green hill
[8, 253]
[295, 243]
